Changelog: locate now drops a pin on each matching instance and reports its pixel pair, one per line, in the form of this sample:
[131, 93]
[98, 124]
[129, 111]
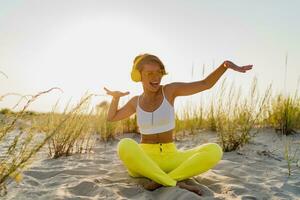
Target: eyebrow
[153, 71]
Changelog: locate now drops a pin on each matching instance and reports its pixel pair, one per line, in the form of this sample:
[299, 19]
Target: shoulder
[170, 88]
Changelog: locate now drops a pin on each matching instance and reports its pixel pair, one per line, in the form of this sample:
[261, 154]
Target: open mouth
[154, 83]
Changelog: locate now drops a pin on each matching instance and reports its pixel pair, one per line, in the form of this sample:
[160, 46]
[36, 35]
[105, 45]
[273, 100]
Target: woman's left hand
[230, 65]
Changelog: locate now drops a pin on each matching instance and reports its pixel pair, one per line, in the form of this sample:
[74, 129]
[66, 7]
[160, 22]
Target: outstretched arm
[115, 114]
[185, 89]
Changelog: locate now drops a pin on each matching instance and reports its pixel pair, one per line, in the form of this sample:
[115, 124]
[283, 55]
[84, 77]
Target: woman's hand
[230, 65]
[115, 94]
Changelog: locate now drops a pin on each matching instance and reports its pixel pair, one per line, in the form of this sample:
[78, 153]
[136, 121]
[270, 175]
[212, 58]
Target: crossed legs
[189, 162]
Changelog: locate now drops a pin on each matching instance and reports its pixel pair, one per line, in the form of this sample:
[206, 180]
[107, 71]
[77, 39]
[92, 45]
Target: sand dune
[257, 171]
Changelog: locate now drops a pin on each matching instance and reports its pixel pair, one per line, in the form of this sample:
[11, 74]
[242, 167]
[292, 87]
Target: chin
[153, 89]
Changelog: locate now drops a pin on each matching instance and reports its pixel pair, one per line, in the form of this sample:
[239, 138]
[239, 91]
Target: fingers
[244, 68]
[125, 93]
[106, 89]
[248, 66]
[115, 93]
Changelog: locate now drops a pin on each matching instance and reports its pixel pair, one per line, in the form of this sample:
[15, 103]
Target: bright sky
[85, 45]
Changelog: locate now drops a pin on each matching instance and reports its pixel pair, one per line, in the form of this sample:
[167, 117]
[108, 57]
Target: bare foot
[152, 185]
[192, 188]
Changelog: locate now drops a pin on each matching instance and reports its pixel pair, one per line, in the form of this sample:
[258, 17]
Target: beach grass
[109, 130]
[74, 134]
[191, 120]
[238, 115]
[235, 117]
[284, 113]
[228, 113]
[290, 155]
[18, 143]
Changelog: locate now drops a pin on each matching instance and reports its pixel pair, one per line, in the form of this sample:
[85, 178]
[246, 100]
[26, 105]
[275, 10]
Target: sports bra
[158, 121]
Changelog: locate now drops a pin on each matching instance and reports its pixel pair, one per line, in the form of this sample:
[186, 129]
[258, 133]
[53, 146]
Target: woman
[156, 156]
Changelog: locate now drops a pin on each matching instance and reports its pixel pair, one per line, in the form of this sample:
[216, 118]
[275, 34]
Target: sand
[256, 171]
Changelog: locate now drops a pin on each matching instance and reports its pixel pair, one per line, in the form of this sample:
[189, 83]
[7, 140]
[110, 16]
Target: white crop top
[158, 121]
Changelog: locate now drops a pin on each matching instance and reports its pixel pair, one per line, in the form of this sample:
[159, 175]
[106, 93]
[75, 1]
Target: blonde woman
[156, 156]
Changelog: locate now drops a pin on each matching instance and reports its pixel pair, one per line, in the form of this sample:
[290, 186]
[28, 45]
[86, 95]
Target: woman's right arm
[115, 114]
[126, 111]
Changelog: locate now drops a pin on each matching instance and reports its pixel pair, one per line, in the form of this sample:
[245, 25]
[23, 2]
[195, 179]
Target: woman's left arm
[185, 89]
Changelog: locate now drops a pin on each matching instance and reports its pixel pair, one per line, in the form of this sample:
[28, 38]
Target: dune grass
[235, 118]
[284, 113]
[228, 113]
[291, 157]
[109, 130]
[192, 119]
[237, 115]
[106, 130]
[74, 134]
[18, 146]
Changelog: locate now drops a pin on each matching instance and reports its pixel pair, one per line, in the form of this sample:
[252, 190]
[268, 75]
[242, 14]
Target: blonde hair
[147, 59]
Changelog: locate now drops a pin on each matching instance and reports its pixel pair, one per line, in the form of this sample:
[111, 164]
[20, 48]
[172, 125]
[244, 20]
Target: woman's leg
[139, 163]
[197, 160]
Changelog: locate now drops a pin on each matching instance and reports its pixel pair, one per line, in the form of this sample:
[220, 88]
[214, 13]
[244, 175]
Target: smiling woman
[157, 157]
[150, 68]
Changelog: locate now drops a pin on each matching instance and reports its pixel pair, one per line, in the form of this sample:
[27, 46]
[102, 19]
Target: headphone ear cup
[135, 75]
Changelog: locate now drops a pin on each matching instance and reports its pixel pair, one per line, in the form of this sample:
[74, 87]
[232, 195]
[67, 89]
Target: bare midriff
[164, 137]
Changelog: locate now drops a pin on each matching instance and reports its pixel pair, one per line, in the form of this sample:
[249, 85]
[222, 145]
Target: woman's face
[151, 76]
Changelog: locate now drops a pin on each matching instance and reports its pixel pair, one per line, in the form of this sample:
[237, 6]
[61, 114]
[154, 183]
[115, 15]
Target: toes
[151, 186]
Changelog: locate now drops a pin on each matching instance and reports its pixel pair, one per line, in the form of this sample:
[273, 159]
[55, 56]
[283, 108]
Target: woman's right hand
[115, 94]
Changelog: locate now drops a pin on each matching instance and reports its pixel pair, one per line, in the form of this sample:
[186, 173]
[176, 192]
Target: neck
[151, 95]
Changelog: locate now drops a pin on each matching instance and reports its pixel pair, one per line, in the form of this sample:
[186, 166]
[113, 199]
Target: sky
[83, 46]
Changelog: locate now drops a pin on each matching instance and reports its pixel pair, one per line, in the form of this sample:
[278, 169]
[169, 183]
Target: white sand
[254, 172]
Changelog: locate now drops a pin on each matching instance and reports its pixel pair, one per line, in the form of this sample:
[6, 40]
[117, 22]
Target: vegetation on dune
[109, 130]
[74, 134]
[237, 116]
[284, 113]
[234, 117]
[18, 146]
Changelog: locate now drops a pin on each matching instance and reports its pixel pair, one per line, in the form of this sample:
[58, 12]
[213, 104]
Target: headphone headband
[139, 59]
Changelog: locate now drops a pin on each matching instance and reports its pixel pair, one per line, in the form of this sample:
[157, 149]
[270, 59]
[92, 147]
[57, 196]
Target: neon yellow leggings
[163, 163]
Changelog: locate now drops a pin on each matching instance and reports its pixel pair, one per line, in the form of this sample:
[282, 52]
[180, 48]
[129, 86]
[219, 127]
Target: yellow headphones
[135, 73]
